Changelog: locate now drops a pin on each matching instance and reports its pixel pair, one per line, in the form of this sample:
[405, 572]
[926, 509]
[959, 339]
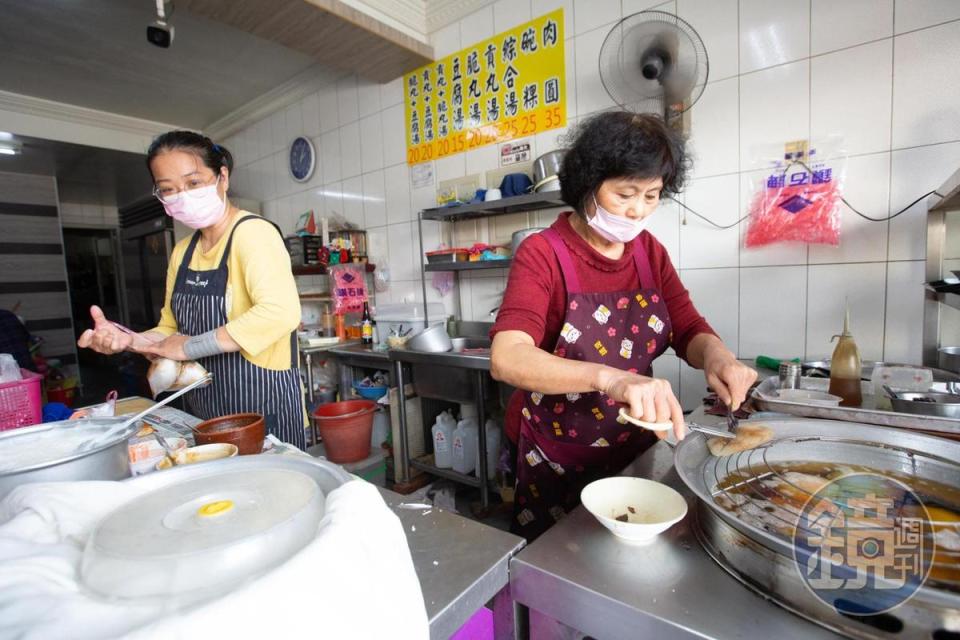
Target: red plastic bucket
[345, 428]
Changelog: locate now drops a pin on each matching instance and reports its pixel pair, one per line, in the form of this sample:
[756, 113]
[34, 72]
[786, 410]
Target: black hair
[619, 144]
[213, 155]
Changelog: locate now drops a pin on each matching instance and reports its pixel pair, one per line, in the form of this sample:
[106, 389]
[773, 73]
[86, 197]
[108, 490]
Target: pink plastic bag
[799, 200]
[348, 288]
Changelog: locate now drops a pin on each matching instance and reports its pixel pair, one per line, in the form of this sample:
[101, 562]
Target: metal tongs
[692, 426]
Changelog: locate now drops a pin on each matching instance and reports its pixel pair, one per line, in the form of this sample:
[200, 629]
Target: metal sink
[471, 343]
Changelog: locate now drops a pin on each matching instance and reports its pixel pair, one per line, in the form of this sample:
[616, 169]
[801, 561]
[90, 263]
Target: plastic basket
[20, 404]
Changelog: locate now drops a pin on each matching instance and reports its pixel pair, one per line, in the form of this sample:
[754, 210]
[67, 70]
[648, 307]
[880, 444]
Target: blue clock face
[302, 159]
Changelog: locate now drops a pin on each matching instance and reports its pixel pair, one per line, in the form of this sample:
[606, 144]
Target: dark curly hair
[619, 144]
[213, 155]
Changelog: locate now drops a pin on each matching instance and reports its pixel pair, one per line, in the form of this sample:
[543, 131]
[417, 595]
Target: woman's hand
[727, 376]
[171, 348]
[105, 337]
[649, 399]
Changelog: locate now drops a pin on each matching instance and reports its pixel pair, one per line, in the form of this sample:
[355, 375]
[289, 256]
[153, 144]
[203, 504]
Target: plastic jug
[846, 368]
[442, 432]
[492, 447]
[465, 445]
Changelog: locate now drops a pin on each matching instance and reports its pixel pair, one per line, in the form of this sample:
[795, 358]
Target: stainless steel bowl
[548, 165]
[949, 358]
[433, 339]
[927, 403]
[519, 236]
[107, 461]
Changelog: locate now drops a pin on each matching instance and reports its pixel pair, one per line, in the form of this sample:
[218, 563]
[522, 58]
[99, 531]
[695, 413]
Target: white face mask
[613, 227]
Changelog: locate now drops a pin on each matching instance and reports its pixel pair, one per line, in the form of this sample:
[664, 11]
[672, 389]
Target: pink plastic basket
[20, 404]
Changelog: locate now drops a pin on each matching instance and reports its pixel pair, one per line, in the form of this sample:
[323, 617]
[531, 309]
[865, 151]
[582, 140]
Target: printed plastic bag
[798, 199]
[348, 288]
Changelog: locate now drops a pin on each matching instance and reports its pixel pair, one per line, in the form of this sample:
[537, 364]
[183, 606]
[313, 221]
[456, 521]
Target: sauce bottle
[845, 367]
[366, 327]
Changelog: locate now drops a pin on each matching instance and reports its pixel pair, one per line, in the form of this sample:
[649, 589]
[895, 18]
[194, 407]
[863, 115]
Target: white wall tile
[347, 99]
[293, 115]
[693, 387]
[591, 14]
[311, 115]
[773, 305]
[773, 33]
[541, 7]
[716, 22]
[866, 187]
[476, 27]
[313, 201]
[913, 173]
[278, 131]
[508, 14]
[863, 287]
[926, 86]
[264, 138]
[368, 98]
[553, 139]
[451, 167]
[378, 246]
[780, 253]
[353, 200]
[715, 129]
[664, 224]
[333, 200]
[765, 128]
[701, 244]
[374, 200]
[486, 294]
[716, 295]
[396, 181]
[350, 164]
[371, 143]
[330, 156]
[281, 168]
[394, 135]
[591, 96]
[667, 367]
[391, 93]
[422, 198]
[481, 160]
[446, 41]
[851, 104]
[402, 252]
[903, 338]
[329, 108]
[836, 25]
[917, 14]
[631, 7]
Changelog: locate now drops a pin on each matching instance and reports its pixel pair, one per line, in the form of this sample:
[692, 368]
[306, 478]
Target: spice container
[789, 374]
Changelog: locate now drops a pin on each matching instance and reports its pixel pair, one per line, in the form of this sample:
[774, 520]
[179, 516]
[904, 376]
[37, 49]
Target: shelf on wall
[321, 270]
[468, 266]
[515, 204]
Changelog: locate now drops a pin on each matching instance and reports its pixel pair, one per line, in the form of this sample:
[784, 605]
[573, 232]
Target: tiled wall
[880, 73]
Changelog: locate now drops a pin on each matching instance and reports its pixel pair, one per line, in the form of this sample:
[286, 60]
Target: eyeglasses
[170, 195]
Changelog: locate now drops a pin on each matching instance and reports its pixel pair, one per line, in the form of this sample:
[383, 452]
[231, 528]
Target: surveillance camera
[160, 34]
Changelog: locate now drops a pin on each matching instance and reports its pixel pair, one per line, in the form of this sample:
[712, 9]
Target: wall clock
[303, 159]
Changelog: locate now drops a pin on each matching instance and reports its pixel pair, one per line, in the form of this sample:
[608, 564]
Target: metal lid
[54, 443]
[203, 535]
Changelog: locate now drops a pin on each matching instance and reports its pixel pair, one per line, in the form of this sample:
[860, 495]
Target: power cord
[842, 199]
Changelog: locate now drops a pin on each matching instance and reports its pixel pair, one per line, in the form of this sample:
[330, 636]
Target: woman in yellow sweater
[231, 301]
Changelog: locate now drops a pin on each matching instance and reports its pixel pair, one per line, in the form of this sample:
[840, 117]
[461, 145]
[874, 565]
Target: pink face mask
[613, 227]
[198, 209]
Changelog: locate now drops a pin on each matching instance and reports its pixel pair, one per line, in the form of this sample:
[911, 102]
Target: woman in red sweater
[590, 303]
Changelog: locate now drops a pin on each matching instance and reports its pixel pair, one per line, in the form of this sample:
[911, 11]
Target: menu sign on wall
[510, 86]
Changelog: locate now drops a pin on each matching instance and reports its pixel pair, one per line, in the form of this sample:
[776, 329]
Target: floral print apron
[567, 441]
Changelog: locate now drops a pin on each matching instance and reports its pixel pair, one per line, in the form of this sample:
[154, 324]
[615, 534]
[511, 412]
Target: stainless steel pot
[433, 339]
[927, 403]
[109, 460]
[949, 358]
[520, 236]
[548, 165]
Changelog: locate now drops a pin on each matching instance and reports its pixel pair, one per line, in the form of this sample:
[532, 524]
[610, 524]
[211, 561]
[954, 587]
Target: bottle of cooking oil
[845, 367]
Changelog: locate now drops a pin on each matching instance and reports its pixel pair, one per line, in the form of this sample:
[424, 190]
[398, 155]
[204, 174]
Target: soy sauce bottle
[366, 331]
[846, 367]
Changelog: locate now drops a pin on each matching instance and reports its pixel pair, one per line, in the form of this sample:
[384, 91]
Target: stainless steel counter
[461, 564]
[580, 575]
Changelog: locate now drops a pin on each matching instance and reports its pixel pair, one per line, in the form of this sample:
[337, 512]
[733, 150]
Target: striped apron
[199, 303]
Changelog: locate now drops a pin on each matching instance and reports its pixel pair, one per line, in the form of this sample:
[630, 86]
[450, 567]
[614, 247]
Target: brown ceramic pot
[246, 430]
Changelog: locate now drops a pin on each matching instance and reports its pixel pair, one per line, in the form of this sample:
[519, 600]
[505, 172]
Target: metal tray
[821, 369]
[765, 398]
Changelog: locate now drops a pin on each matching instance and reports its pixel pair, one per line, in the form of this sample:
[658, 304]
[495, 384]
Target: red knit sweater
[535, 299]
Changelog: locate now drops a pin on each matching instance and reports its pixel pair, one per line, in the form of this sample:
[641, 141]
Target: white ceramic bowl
[651, 507]
[809, 396]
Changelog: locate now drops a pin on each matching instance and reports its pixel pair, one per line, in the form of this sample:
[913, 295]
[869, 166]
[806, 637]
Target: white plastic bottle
[465, 445]
[442, 432]
[492, 446]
